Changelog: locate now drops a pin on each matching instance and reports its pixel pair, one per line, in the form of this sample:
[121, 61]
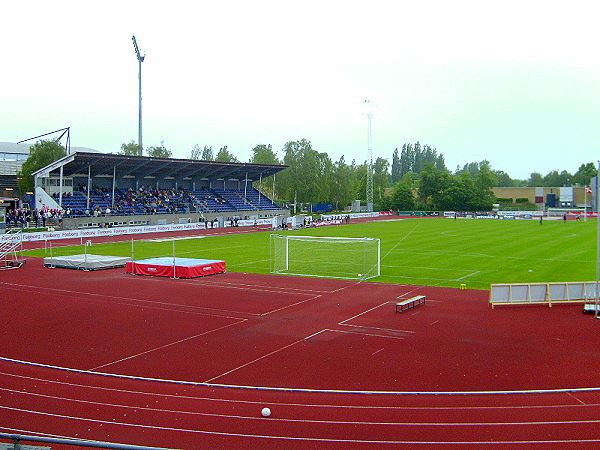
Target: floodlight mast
[140, 59]
[369, 113]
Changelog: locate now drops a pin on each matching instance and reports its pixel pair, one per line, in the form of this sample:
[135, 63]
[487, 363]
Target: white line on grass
[401, 240]
[468, 276]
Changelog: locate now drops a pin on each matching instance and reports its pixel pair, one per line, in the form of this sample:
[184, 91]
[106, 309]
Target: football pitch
[433, 252]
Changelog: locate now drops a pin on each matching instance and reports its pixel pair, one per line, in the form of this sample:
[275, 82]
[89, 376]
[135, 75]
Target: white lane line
[307, 405]
[305, 438]
[167, 345]
[362, 313]
[263, 357]
[362, 333]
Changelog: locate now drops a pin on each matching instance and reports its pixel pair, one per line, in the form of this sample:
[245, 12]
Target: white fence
[542, 293]
[117, 231]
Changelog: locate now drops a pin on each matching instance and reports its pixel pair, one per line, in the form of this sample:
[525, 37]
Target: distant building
[548, 197]
[12, 157]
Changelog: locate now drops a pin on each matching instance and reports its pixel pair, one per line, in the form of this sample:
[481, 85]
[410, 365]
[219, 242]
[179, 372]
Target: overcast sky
[514, 82]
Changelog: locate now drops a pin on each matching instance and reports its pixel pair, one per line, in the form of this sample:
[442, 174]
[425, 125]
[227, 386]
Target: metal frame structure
[140, 59]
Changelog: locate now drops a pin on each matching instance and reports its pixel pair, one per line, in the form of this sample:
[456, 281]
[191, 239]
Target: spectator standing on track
[565, 218]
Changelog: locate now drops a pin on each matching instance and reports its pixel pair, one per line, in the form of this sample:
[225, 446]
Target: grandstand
[96, 189]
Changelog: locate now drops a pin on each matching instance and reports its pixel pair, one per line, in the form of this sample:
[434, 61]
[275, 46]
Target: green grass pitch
[434, 252]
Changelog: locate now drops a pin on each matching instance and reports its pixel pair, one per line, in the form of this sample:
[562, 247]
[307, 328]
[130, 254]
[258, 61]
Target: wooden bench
[410, 303]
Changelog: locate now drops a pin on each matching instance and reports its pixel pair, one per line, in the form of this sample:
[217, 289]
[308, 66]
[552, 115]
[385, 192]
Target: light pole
[140, 59]
[369, 113]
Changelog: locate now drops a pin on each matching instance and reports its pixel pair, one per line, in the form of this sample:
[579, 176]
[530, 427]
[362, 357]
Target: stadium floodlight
[369, 113]
[140, 59]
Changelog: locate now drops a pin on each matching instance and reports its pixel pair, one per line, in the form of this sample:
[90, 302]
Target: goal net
[331, 257]
[559, 212]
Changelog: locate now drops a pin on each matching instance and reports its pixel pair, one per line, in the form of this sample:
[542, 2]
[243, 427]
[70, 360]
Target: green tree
[556, 179]
[225, 155]
[535, 180]
[341, 194]
[381, 177]
[159, 151]
[41, 154]
[395, 167]
[207, 154]
[585, 173]
[459, 194]
[432, 185]
[196, 152]
[504, 179]
[131, 149]
[403, 197]
[263, 154]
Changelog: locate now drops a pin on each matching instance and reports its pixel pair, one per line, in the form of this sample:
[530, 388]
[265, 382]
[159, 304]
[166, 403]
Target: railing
[18, 438]
[8, 249]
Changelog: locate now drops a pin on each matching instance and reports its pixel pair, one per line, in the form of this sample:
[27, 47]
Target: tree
[503, 179]
[403, 197]
[535, 180]
[263, 154]
[341, 194]
[585, 173]
[395, 167]
[432, 185]
[159, 152]
[41, 154]
[196, 153]
[225, 155]
[131, 149]
[207, 154]
[381, 177]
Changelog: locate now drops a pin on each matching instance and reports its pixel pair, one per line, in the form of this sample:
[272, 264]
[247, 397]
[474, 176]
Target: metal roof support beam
[60, 187]
[89, 186]
[113, 186]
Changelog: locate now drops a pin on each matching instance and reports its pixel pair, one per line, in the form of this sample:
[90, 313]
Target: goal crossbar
[325, 256]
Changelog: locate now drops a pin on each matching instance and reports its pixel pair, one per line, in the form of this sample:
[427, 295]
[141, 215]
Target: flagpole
[585, 188]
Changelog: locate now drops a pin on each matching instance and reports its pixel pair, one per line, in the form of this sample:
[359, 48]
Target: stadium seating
[166, 201]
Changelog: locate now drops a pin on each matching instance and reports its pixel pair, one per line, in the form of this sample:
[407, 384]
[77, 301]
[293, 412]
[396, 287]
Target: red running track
[285, 332]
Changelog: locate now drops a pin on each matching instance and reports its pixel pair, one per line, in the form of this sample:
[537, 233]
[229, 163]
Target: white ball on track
[266, 412]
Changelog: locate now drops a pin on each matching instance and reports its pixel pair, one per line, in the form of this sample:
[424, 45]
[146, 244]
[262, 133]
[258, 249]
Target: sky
[513, 82]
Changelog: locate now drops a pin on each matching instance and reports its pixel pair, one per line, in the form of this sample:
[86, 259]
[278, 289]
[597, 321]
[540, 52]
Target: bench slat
[410, 303]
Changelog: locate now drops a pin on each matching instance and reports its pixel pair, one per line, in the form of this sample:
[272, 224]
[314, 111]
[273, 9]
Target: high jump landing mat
[86, 262]
[175, 267]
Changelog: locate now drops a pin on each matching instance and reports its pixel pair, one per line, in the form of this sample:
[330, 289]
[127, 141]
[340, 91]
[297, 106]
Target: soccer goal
[330, 257]
[559, 212]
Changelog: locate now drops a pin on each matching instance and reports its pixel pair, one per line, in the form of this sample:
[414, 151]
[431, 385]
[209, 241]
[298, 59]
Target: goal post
[321, 256]
[559, 212]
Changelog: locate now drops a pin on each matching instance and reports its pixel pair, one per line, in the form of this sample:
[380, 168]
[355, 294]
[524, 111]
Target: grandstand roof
[143, 166]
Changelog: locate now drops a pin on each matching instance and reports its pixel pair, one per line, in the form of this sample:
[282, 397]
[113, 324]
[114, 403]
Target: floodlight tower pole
[597, 296]
[369, 114]
[140, 59]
